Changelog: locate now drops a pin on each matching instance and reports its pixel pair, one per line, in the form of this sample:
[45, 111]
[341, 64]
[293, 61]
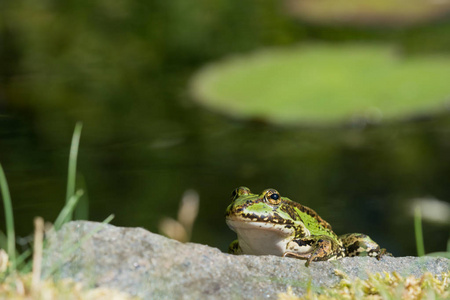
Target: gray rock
[151, 266]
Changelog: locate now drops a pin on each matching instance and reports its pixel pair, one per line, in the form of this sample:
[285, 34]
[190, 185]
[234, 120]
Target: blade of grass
[81, 211]
[3, 240]
[72, 172]
[10, 233]
[64, 215]
[418, 231]
[108, 219]
[22, 260]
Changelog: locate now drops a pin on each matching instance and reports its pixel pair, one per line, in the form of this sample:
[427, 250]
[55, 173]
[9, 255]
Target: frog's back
[309, 212]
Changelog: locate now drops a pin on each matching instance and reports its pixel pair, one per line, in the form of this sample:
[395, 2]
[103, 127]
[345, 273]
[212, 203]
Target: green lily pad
[324, 84]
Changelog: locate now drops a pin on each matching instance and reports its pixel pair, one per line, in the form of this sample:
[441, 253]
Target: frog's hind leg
[359, 244]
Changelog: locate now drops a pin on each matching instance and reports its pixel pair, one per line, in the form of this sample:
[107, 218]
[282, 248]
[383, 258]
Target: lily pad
[324, 84]
[369, 12]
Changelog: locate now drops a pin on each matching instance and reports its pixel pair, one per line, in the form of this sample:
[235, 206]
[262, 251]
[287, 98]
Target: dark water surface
[124, 72]
[358, 180]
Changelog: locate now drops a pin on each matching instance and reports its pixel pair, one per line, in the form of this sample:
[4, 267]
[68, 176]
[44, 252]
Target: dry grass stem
[3, 261]
[181, 228]
[173, 229]
[37, 253]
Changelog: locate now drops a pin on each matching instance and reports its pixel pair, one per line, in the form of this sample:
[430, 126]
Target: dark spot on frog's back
[352, 250]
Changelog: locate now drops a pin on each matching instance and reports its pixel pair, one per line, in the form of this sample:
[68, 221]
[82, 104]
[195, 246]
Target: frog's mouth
[272, 218]
[256, 224]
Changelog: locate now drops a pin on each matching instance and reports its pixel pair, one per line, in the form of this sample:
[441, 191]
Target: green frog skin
[268, 224]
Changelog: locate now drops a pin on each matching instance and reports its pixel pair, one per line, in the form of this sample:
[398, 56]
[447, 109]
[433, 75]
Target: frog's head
[264, 223]
[268, 208]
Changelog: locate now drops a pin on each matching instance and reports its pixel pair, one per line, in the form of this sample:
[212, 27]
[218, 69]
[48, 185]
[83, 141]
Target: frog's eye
[273, 197]
[242, 190]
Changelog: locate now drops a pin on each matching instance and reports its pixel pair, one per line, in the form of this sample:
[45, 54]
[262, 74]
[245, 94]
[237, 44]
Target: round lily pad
[324, 84]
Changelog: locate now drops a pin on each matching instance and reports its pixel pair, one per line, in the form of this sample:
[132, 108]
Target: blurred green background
[123, 68]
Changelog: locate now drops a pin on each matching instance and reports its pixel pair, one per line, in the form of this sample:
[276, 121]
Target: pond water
[144, 142]
[358, 180]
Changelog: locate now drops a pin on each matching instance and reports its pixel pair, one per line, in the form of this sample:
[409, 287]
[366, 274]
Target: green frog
[268, 224]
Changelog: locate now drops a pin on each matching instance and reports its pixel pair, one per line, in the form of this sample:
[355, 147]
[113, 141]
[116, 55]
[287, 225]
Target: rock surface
[151, 266]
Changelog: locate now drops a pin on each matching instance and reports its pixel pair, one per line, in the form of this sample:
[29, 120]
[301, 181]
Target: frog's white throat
[261, 238]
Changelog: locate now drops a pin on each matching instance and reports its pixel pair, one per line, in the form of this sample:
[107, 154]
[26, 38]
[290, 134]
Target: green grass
[9, 217]
[324, 84]
[418, 232]
[72, 170]
[420, 240]
[21, 262]
[23, 279]
[65, 214]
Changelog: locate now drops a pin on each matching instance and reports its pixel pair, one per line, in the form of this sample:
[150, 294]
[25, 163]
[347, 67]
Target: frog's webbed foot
[322, 248]
[306, 256]
[299, 249]
[381, 252]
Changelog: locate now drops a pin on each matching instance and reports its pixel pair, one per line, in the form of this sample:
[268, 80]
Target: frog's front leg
[234, 248]
[359, 244]
[313, 249]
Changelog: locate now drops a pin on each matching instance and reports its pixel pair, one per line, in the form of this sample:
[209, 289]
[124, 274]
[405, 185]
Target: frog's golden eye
[273, 197]
[242, 190]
